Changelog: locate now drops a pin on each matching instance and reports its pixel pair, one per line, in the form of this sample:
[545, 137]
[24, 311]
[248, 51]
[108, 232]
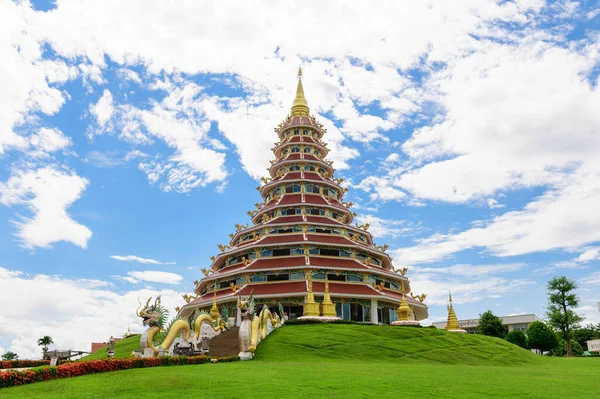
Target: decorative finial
[300, 106]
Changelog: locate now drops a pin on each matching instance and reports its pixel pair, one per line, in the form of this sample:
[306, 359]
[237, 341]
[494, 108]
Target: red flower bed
[12, 377]
[15, 364]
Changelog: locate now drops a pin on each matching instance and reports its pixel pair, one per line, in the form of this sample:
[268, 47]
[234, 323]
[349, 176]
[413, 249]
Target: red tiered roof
[289, 199]
[329, 239]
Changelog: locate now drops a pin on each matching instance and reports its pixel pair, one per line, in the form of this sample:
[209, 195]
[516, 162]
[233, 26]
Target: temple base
[245, 355]
[324, 319]
[406, 323]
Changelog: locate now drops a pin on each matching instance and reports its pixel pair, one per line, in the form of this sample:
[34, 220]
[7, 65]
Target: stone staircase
[225, 344]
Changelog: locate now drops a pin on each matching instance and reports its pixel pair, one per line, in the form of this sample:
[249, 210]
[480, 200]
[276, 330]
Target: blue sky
[132, 140]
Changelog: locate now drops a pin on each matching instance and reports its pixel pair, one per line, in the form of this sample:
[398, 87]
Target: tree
[10, 356]
[45, 341]
[518, 338]
[490, 324]
[587, 333]
[561, 349]
[561, 301]
[540, 336]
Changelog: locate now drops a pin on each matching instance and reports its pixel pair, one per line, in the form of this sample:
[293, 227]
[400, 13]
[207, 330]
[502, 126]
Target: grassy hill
[350, 361]
[324, 342]
[123, 348]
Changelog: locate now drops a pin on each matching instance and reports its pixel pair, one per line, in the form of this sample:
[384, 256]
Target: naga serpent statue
[158, 336]
[255, 328]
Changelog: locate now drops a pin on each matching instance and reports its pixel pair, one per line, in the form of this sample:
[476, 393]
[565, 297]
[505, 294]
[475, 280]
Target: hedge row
[15, 364]
[13, 377]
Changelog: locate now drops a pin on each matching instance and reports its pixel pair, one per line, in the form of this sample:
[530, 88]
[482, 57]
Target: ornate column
[374, 316]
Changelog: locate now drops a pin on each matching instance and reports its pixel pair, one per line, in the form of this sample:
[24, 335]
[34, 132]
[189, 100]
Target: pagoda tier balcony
[282, 290]
[325, 167]
[299, 122]
[379, 258]
[301, 262]
[292, 207]
[289, 221]
[299, 176]
[309, 146]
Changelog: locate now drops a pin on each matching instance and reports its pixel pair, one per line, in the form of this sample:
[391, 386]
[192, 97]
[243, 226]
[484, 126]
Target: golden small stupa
[328, 306]
[311, 308]
[405, 314]
[452, 324]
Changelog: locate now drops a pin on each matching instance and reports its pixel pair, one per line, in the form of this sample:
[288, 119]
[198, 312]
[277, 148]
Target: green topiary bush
[518, 338]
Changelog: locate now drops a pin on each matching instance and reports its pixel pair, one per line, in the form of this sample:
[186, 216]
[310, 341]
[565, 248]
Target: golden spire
[452, 324]
[404, 311]
[214, 311]
[311, 308]
[328, 306]
[300, 106]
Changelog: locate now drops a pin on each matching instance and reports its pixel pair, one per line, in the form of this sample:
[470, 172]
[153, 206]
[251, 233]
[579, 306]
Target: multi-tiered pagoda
[302, 240]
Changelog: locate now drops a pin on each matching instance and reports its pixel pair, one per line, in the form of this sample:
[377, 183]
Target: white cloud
[380, 227]
[74, 312]
[154, 277]
[589, 255]
[592, 279]
[140, 259]
[49, 140]
[47, 192]
[104, 109]
[493, 204]
[533, 229]
[27, 81]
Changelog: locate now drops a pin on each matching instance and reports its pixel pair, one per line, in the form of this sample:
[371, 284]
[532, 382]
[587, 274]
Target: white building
[516, 322]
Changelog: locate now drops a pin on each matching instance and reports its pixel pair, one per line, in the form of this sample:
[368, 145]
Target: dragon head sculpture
[153, 315]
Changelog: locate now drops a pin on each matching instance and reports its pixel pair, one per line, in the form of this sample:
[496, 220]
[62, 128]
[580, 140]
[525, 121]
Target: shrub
[490, 324]
[518, 338]
[540, 336]
[13, 377]
[15, 364]
[561, 349]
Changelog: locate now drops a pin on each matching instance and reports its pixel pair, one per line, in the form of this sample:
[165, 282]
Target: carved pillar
[374, 318]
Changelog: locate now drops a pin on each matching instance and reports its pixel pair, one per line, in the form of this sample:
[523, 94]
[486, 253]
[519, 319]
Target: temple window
[307, 149]
[305, 132]
[296, 132]
[266, 252]
[284, 152]
[317, 153]
[282, 170]
[267, 198]
[312, 188]
[335, 277]
[296, 276]
[278, 277]
[293, 188]
[321, 171]
[294, 167]
[315, 211]
[277, 191]
[354, 279]
[309, 168]
[282, 252]
[295, 148]
[257, 279]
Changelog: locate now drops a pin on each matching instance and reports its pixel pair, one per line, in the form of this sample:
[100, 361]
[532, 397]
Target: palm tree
[45, 341]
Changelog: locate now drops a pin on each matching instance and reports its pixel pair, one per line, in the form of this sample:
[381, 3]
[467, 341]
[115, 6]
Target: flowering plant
[13, 377]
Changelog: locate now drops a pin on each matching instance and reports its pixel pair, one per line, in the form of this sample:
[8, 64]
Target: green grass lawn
[350, 361]
[123, 348]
